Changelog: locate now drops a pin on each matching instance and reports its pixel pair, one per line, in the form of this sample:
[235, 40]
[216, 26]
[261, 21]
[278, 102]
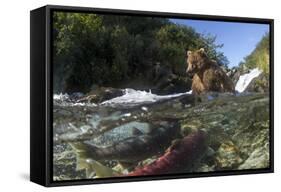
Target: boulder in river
[252, 80]
[101, 94]
[237, 127]
[259, 84]
[173, 84]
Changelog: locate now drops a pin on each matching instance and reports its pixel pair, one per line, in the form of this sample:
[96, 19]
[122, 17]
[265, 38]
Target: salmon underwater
[132, 149]
[134, 145]
[179, 157]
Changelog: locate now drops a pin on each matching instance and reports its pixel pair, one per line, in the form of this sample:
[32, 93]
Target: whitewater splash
[61, 97]
[245, 80]
[135, 97]
[64, 99]
[130, 97]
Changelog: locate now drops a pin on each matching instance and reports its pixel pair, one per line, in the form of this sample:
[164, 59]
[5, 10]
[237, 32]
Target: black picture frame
[41, 99]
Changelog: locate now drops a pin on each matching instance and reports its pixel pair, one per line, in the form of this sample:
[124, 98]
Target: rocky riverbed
[237, 128]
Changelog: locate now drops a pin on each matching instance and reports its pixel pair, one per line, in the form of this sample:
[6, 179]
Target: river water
[237, 126]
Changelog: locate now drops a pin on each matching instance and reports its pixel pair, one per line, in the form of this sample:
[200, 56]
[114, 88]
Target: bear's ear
[188, 53]
[202, 50]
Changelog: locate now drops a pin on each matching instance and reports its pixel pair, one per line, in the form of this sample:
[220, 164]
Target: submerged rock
[254, 144]
[228, 156]
[237, 127]
[259, 158]
[101, 94]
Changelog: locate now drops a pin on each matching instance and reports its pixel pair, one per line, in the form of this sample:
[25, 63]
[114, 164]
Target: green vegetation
[259, 57]
[111, 50]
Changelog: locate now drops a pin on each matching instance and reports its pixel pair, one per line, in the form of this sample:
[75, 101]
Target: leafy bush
[259, 57]
[111, 50]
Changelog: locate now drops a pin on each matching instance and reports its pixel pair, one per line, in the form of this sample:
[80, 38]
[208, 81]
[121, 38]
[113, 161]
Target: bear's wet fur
[207, 74]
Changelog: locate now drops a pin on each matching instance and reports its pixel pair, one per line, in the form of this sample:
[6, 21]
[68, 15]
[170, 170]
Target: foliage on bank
[109, 50]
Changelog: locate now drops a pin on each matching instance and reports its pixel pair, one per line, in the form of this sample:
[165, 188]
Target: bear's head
[196, 60]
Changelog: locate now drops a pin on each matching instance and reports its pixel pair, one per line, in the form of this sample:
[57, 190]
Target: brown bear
[207, 75]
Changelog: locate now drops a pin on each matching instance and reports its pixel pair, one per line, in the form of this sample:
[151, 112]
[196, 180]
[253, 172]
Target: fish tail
[82, 154]
[84, 160]
[101, 170]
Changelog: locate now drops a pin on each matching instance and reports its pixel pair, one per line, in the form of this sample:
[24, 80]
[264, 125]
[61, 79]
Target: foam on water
[245, 80]
[132, 96]
[61, 97]
[137, 97]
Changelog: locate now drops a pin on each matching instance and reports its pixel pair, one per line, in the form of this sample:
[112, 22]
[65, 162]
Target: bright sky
[239, 39]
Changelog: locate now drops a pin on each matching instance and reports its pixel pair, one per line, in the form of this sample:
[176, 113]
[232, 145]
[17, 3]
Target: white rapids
[63, 99]
[135, 97]
[245, 80]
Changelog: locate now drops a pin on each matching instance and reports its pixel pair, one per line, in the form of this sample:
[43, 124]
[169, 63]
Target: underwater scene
[148, 96]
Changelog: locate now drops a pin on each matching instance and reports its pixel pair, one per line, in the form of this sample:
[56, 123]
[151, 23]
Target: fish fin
[136, 132]
[174, 144]
[78, 146]
[100, 170]
[82, 164]
[84, 161]
[82, 154]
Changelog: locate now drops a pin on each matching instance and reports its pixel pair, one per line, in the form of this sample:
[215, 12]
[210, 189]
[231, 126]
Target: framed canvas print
[122, 95]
